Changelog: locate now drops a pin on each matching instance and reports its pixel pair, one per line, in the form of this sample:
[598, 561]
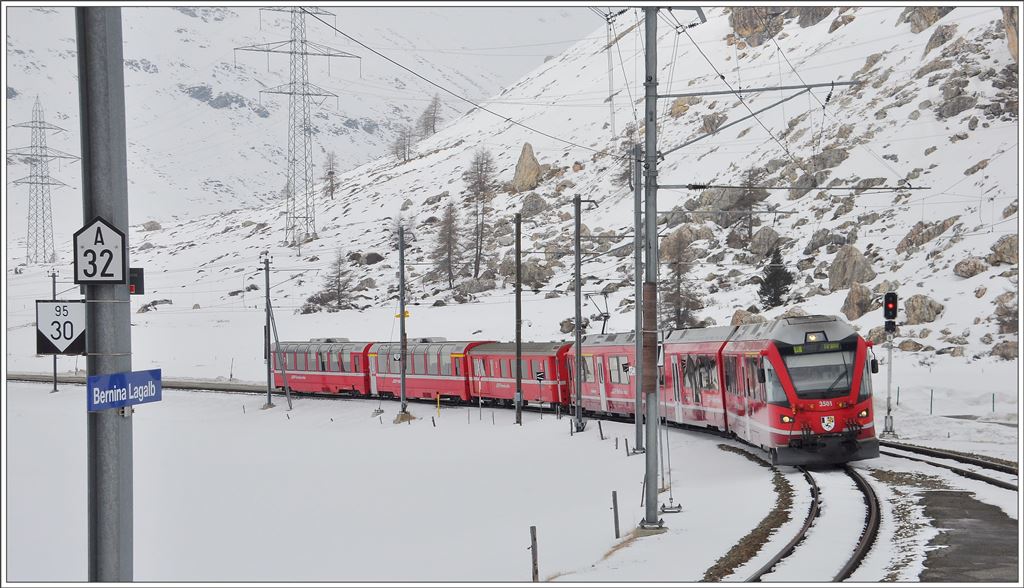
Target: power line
[460, 97]
[739, 96]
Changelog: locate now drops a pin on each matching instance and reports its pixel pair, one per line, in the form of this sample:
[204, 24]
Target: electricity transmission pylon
[300, 211]
[39, 242]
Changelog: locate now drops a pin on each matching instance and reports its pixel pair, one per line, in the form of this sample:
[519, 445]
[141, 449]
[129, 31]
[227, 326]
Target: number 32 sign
[100, 254]
[60, 327]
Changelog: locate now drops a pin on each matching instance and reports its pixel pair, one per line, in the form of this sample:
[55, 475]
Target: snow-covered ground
[226, 491]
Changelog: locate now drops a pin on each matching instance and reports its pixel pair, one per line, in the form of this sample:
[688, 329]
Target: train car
[492, 374]
[800, 388]
[607, 385]
[434, 367]
[692, 393]
[330, 365]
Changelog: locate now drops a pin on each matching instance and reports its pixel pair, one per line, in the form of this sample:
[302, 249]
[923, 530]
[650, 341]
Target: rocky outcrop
[534, 204]
[956, 105]
[527, 174]
[688, 233]
[877, 334]
[941, 36]
[1004, 251]
[711, 122]
[569, 325]
[923, 232]
[475, 286]
[849, 267]
[857, 303]
[1006, 312]
[970, 267]
[808, 16]
[921, 309]
[753, 24]
[823, 237]
[1010, 23]
[792, 312]
[910, 345]
[763, 241]
[372, 258]
[151, 226]
[922, 17]
[742, 317]
[1006, 350]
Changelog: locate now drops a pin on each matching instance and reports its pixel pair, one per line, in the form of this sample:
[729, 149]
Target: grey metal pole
[266, 307]
[53, 284]
[650, 292]
[578, 349]
[401, 311]
[108, 319]
[638, 266]
[889, 428]
[519, 319]
[615, 511]
[533, 553]
[284, 369]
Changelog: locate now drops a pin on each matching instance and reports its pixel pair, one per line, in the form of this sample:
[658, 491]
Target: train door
[748, 390]
[600, 383]
[372, 363]
[677, 392]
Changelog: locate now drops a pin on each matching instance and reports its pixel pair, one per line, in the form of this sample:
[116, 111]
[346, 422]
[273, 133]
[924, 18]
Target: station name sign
[108, 391]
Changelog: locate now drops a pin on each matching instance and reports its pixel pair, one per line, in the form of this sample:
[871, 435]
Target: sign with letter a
[101, 255]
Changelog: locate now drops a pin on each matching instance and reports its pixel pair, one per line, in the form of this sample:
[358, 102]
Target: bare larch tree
[446, 253]
[480, 181]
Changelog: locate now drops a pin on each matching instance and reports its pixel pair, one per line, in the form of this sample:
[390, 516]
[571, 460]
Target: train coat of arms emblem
[828, 422]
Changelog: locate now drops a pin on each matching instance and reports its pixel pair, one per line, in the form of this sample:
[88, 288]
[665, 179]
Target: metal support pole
[650, 291]
[519, 319]
[638, 266]
[280, 359]
[53, 285]
[266, 330]
[578, 372]
[889, 429]
[105, 193]
[615, 511]
[533, 553]
[401, 311]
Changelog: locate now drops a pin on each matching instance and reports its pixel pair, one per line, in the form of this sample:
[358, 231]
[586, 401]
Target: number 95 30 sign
[60, 327]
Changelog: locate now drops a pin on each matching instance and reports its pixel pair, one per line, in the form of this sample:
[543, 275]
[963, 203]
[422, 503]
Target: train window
[356, 365]
[334, 362]
[773, 387]
[588, 369]
[538, 366]
[421, 363]
[446, 362]
[432, 362]
[613, 370]
[321, 362]
[524, 366]
[478, 367]
[697, 368]
[504, 368]
[457, 364]
[289, 361]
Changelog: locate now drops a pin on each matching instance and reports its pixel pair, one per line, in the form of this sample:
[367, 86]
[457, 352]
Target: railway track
[867, 537]
[900, 450]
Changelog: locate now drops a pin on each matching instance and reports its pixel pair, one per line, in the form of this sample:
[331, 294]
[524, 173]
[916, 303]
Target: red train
[799, 388]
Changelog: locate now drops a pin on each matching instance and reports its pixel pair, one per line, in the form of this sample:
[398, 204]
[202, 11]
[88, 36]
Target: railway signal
[889, 307]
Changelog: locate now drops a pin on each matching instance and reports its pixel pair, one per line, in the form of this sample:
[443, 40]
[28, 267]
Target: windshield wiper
[839, 377]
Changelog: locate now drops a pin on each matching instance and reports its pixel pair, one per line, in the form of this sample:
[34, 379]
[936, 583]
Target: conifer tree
[777, 280]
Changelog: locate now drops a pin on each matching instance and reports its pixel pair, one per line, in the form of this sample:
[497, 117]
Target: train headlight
[863, 414]
[787, 419]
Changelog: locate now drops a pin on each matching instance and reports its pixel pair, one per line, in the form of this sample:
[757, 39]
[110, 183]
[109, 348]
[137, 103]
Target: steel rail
[872, 521]
[812, 513]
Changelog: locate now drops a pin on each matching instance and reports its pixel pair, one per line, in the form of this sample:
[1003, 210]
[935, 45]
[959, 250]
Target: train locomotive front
[817, 396]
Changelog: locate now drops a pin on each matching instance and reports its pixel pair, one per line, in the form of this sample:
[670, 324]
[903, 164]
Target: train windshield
[821, 375]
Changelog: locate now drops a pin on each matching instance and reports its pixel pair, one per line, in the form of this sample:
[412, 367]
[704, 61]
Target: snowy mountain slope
[202, 139]
[880, 133]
